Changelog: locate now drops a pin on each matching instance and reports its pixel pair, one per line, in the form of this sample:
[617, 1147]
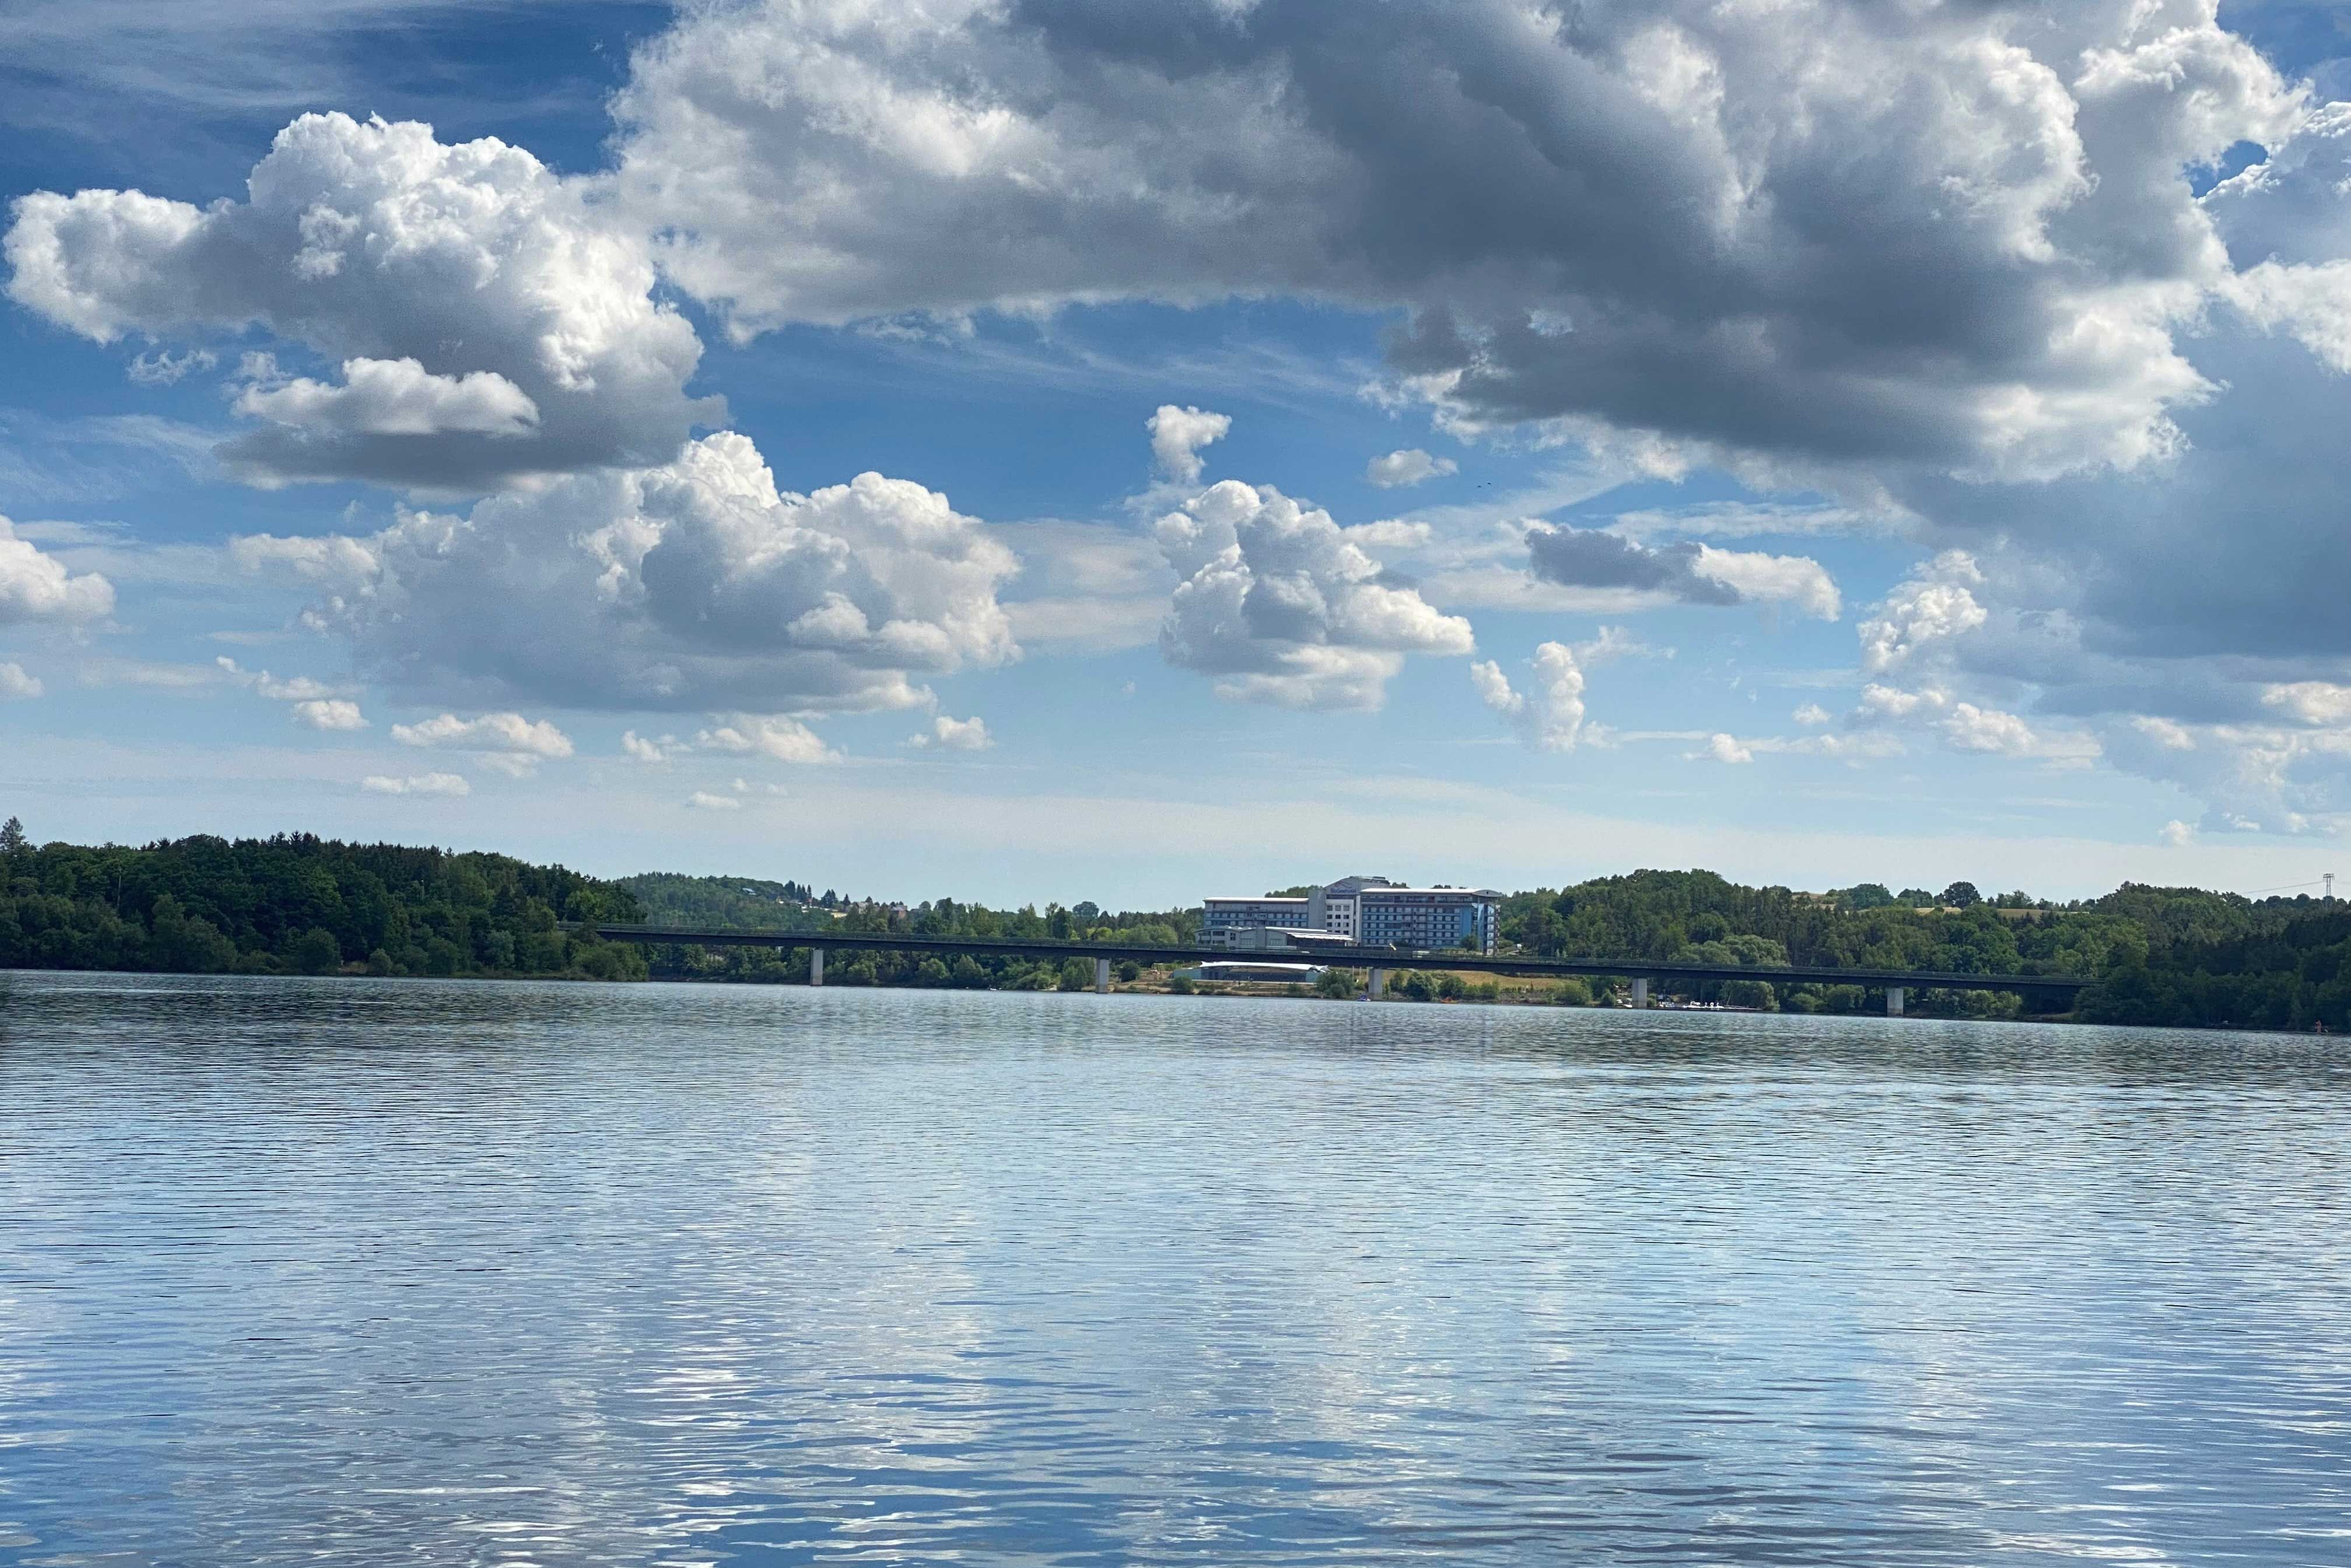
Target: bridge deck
[1352, 958]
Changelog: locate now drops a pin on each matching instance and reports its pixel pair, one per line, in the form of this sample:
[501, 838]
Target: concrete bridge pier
[1894, 1002]
[1379, 986]
[1101, 977]
[816, 966]
[1641, 992]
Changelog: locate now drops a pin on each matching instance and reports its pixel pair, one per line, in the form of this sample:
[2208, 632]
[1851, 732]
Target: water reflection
[458, 1272]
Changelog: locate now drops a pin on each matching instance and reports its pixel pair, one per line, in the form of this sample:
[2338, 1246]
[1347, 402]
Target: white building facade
[1220, 917]
[1371, 911]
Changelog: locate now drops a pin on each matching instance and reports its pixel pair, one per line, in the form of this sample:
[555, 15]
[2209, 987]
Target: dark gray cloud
[1589, 558]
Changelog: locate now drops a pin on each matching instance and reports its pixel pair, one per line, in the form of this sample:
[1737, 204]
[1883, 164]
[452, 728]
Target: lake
[304, 1272]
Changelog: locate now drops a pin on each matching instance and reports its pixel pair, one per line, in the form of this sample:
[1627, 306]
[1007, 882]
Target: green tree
[1962, 895]
[315, 951]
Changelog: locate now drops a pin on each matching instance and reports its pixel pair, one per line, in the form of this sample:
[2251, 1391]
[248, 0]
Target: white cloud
[1759, 578]
[489, 732]
[646, 750]
[15, 684]
[504, 743]
[330, 714]
[490, 321]
[1389, 533]
[785, 739]
[416, 784]
[702, 800]
[1279, 606]
[1178, 434]
[38, 587]
[1409, 466]
[1550, 712]
[1721, 748]
[163, 369]
[1812, 716]
[395, 398]
[1972, 729]
[697, 586]
[1494, 689]
[2163, 732]
[1893, 702]
[2311, 702]
[954, 735]
[262, 683]
[1932, 607]
[2177, 833]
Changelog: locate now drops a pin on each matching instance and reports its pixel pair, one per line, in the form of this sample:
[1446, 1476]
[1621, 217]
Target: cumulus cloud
[1178, 434]
[1409, 466]
[508, 742]
[330, 714]
[1932, 607]
[1972, 729]
[2311, 702]
[1494, 689]
[1279, 605]
[1968, 726]
[35, 587]
[489, 732]
[1688, 573]
[697, 586]
[416, 784]
[394, 398]
[646, 750]
[15, 685]
[1550, 712]
[1951, 237]
[702, 800]
[487, 320]
[954, 735]
[2177, 833]
[784, 740]
[1812, 715]
[1721, 748]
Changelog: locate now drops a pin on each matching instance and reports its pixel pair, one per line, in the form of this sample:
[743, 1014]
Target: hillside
[299, 904]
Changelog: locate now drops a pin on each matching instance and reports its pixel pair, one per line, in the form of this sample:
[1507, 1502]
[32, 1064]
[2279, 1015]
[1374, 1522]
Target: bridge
[1380, 962]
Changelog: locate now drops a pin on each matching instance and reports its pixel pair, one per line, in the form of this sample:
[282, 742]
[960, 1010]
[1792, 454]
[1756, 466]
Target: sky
[1070, 449]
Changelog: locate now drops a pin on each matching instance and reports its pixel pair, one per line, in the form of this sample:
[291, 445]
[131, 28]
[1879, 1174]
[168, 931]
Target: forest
[296, 903]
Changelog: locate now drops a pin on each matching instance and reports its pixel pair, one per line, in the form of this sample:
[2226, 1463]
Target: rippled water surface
[418, 1273]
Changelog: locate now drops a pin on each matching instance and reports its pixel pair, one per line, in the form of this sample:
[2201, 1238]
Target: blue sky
[1781, 477]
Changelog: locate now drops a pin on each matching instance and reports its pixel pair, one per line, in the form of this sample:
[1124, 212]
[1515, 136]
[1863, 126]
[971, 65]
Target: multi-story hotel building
[1371, 911]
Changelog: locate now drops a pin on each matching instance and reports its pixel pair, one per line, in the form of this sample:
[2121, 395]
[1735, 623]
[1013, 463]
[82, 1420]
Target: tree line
[2160, 955]
[299, 904]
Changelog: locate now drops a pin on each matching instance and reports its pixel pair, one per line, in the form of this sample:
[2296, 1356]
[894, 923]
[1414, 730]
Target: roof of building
[1460, 892]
